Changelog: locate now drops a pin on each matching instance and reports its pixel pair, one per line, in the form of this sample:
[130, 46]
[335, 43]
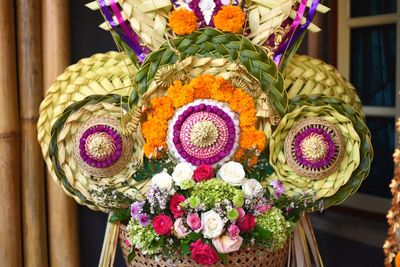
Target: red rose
[246, 223]
[174, 205]
[203, 173]
[162, 224]
[203, 254]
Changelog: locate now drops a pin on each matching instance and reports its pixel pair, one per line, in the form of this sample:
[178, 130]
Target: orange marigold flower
[248, 118]
[153, 151]
[229, 19]
[244, 155]
[162, 107]
[222, 90]
[397, 260]
[183, 21]
[241, 101]
[202, 86]
[252, 138]
[180, 95]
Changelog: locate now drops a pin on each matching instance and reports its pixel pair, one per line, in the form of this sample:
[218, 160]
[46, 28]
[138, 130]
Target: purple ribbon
[127, 33]
[296, 31]
[310, 16]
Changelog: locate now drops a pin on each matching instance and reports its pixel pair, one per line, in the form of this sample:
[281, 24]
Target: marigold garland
[155, 128]
[230, 19]
[162, 109]
[183, 21]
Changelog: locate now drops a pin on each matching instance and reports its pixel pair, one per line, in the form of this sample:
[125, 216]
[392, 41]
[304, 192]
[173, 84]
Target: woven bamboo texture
[255, 257]
[215, 44]
[265, 18]
[328, 186]
[309, 76]
[100, 74]
[366, 150]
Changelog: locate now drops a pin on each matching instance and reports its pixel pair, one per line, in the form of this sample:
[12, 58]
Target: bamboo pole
[32, 170]
[62, 210]
[10, 204]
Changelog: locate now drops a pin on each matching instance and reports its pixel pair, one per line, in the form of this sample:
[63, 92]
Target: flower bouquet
[194, 211]
[205, 135]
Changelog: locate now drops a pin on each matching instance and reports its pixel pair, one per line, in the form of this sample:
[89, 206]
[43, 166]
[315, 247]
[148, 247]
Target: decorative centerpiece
[206, 138]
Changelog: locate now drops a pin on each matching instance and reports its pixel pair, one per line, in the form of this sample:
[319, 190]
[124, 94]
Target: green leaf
[261, 170]
[185, 248]
[157, 242]
[120, 215]
[194, 236]
[131, 255]
[223, 258]
[149, 168]
[263, 234]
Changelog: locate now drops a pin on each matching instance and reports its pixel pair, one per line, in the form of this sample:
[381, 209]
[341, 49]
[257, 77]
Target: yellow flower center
[203, 133]
[100, 146]
[314, 147]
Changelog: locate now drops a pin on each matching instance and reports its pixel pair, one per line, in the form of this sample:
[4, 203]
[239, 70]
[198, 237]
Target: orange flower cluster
[154, 129]
[230, 19]
[204, 87]
[183, 21]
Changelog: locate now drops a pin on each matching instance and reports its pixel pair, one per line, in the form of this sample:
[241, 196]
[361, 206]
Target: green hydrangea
[143, 238]
[274, 222]
[185, 185]
[214, 191]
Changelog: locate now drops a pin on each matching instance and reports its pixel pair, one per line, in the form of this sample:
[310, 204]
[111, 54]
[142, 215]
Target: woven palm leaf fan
[206, 134]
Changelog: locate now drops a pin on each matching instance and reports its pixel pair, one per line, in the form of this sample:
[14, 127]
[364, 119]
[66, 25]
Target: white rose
[232, 173]
[163, 180]
[183, 173]
[251, 187]
[212, 224]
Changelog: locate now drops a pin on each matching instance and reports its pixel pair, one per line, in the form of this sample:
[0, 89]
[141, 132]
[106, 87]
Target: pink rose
[233, 231]
[203, 254]
[247, 223]
[127, 243]
[203, 173]
[194, 222]
[162, 224]
[175, 207]
[179, 229]
[241, 212]
[264, 208]
[226, 244]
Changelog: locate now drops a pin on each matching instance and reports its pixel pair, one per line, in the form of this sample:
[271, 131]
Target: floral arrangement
[207, 142]
[206, 214]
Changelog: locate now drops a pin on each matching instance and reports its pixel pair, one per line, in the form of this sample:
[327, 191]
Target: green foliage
[120, 215]
[262, 170]
[151, 167]
[131, 255]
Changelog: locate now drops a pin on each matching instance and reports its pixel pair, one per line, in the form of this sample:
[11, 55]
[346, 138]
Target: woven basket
[260, 257]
